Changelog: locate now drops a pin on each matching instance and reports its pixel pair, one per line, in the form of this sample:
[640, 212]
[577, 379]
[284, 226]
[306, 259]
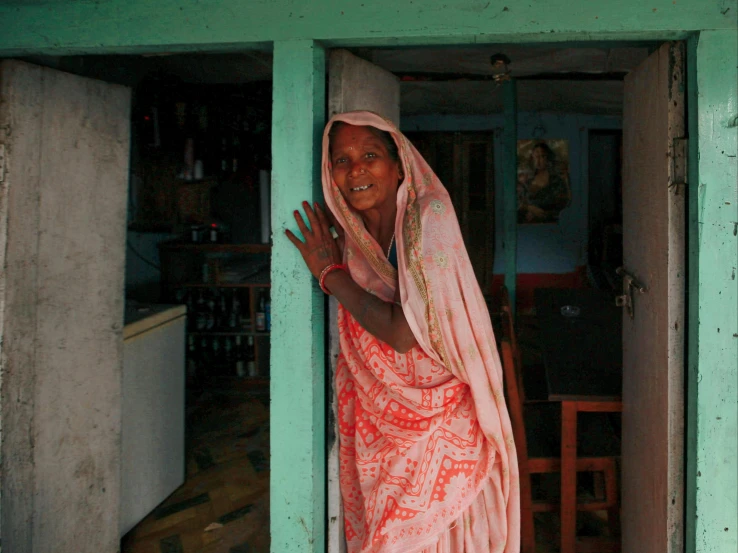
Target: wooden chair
[534, 460]
[532, 385]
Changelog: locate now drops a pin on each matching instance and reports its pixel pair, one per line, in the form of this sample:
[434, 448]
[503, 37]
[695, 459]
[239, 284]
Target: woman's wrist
[332, 280]
[330, 269]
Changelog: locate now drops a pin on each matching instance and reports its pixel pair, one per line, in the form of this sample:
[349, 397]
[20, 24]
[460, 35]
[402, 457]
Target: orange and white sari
[427, 458]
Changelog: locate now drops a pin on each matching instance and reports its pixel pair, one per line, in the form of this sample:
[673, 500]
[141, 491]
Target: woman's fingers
[294, 239]
[314, 223]
[301, 225]
[322, 218]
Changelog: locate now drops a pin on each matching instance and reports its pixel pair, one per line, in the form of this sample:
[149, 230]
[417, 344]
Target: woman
[546, 193]
[427, 460]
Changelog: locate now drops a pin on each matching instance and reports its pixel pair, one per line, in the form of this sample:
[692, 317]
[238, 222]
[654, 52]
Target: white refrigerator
[153, 409]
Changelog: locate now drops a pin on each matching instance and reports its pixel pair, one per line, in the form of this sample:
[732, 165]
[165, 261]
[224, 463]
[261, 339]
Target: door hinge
[2, 162]
[679, 154]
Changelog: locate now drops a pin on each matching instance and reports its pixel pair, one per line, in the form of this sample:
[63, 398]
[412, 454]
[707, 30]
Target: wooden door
[477, 213]
[62, 255]
[464, 162]
[653, 339]
[353, 84]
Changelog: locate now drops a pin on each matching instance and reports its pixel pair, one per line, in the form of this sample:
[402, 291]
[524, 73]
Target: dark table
[582, 353]
[583, 359]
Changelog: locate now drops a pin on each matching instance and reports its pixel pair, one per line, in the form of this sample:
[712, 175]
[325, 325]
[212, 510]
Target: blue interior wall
[542, 248]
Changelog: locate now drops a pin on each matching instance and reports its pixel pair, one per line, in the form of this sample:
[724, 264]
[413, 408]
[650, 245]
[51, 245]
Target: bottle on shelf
[244, 319]
[251, 367]
[205, 358]
[216, 351]
[224, 163]
[240, 358]
[261, 315]
[236, 148]
[223, 312]
[201, 315]
[210, 313]
[234, 316]
[228, 356]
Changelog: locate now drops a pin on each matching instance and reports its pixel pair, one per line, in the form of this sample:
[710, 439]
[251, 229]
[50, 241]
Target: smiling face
[363, 168]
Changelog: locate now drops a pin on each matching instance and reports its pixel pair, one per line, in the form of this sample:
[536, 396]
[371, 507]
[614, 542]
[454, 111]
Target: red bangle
[328, 270]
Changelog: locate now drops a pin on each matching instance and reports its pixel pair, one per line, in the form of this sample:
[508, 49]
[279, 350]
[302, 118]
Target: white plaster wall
[63, 212]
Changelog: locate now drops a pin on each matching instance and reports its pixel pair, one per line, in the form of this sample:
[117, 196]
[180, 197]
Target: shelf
[223, 285]
[234, 382]
[226, 333]
[210, 247]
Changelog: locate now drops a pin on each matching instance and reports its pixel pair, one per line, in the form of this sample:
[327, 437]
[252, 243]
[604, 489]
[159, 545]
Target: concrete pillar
[298, 364]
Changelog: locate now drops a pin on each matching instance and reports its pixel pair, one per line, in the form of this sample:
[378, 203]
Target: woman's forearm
[383, 320]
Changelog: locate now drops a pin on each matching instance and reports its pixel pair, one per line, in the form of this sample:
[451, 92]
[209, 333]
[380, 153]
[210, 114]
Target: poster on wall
[543, 180]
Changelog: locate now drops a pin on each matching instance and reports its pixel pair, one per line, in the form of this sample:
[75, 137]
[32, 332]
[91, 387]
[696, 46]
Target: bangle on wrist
[328, 270]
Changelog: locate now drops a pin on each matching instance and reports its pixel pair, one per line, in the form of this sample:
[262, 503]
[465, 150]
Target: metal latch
[630, 285]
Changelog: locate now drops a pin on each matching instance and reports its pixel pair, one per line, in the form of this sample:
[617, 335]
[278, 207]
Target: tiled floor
[223, 507]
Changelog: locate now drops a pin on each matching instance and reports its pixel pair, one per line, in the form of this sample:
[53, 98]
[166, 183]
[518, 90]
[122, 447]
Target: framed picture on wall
[543, 180]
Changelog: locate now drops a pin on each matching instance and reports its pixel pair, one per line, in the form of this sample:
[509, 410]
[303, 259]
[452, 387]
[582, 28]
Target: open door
[353, 84]
[653, 322]
[63, 189]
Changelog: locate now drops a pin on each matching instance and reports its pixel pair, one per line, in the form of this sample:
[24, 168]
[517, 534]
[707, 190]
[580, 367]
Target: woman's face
[363, 169]
[540, 159]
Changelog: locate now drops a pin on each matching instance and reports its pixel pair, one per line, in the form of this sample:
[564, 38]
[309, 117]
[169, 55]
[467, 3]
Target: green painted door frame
[298, 33]
[298, 368]
[712, 295]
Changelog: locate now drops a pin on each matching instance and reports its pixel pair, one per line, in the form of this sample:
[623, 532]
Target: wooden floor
[223, 506]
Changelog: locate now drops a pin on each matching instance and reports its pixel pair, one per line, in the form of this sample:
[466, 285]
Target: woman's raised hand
[319, 249]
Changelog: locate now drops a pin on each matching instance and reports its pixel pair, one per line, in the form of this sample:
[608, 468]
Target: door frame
[711, 355]
[700, 413]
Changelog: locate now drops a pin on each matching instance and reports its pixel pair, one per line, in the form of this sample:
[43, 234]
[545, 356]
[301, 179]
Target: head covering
[421, 433]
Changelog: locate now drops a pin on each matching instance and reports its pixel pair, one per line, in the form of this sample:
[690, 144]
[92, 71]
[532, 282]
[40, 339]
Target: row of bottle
[232, 355]
[219, 309]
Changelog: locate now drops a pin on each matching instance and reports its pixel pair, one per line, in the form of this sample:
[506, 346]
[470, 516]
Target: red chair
[536, 456]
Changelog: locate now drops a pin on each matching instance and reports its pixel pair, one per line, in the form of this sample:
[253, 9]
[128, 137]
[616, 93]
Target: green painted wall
[73, 26]
[712, 406]
[59, 27]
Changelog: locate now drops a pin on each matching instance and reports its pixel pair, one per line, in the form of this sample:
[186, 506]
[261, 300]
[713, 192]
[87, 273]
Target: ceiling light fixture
[501, 71]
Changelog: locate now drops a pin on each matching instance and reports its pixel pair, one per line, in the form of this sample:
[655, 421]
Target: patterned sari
[427, 458]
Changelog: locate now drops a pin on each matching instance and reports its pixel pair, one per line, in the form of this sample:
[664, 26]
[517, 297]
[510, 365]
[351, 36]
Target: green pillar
[510, 195]
[298, 307]
[712, 372]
